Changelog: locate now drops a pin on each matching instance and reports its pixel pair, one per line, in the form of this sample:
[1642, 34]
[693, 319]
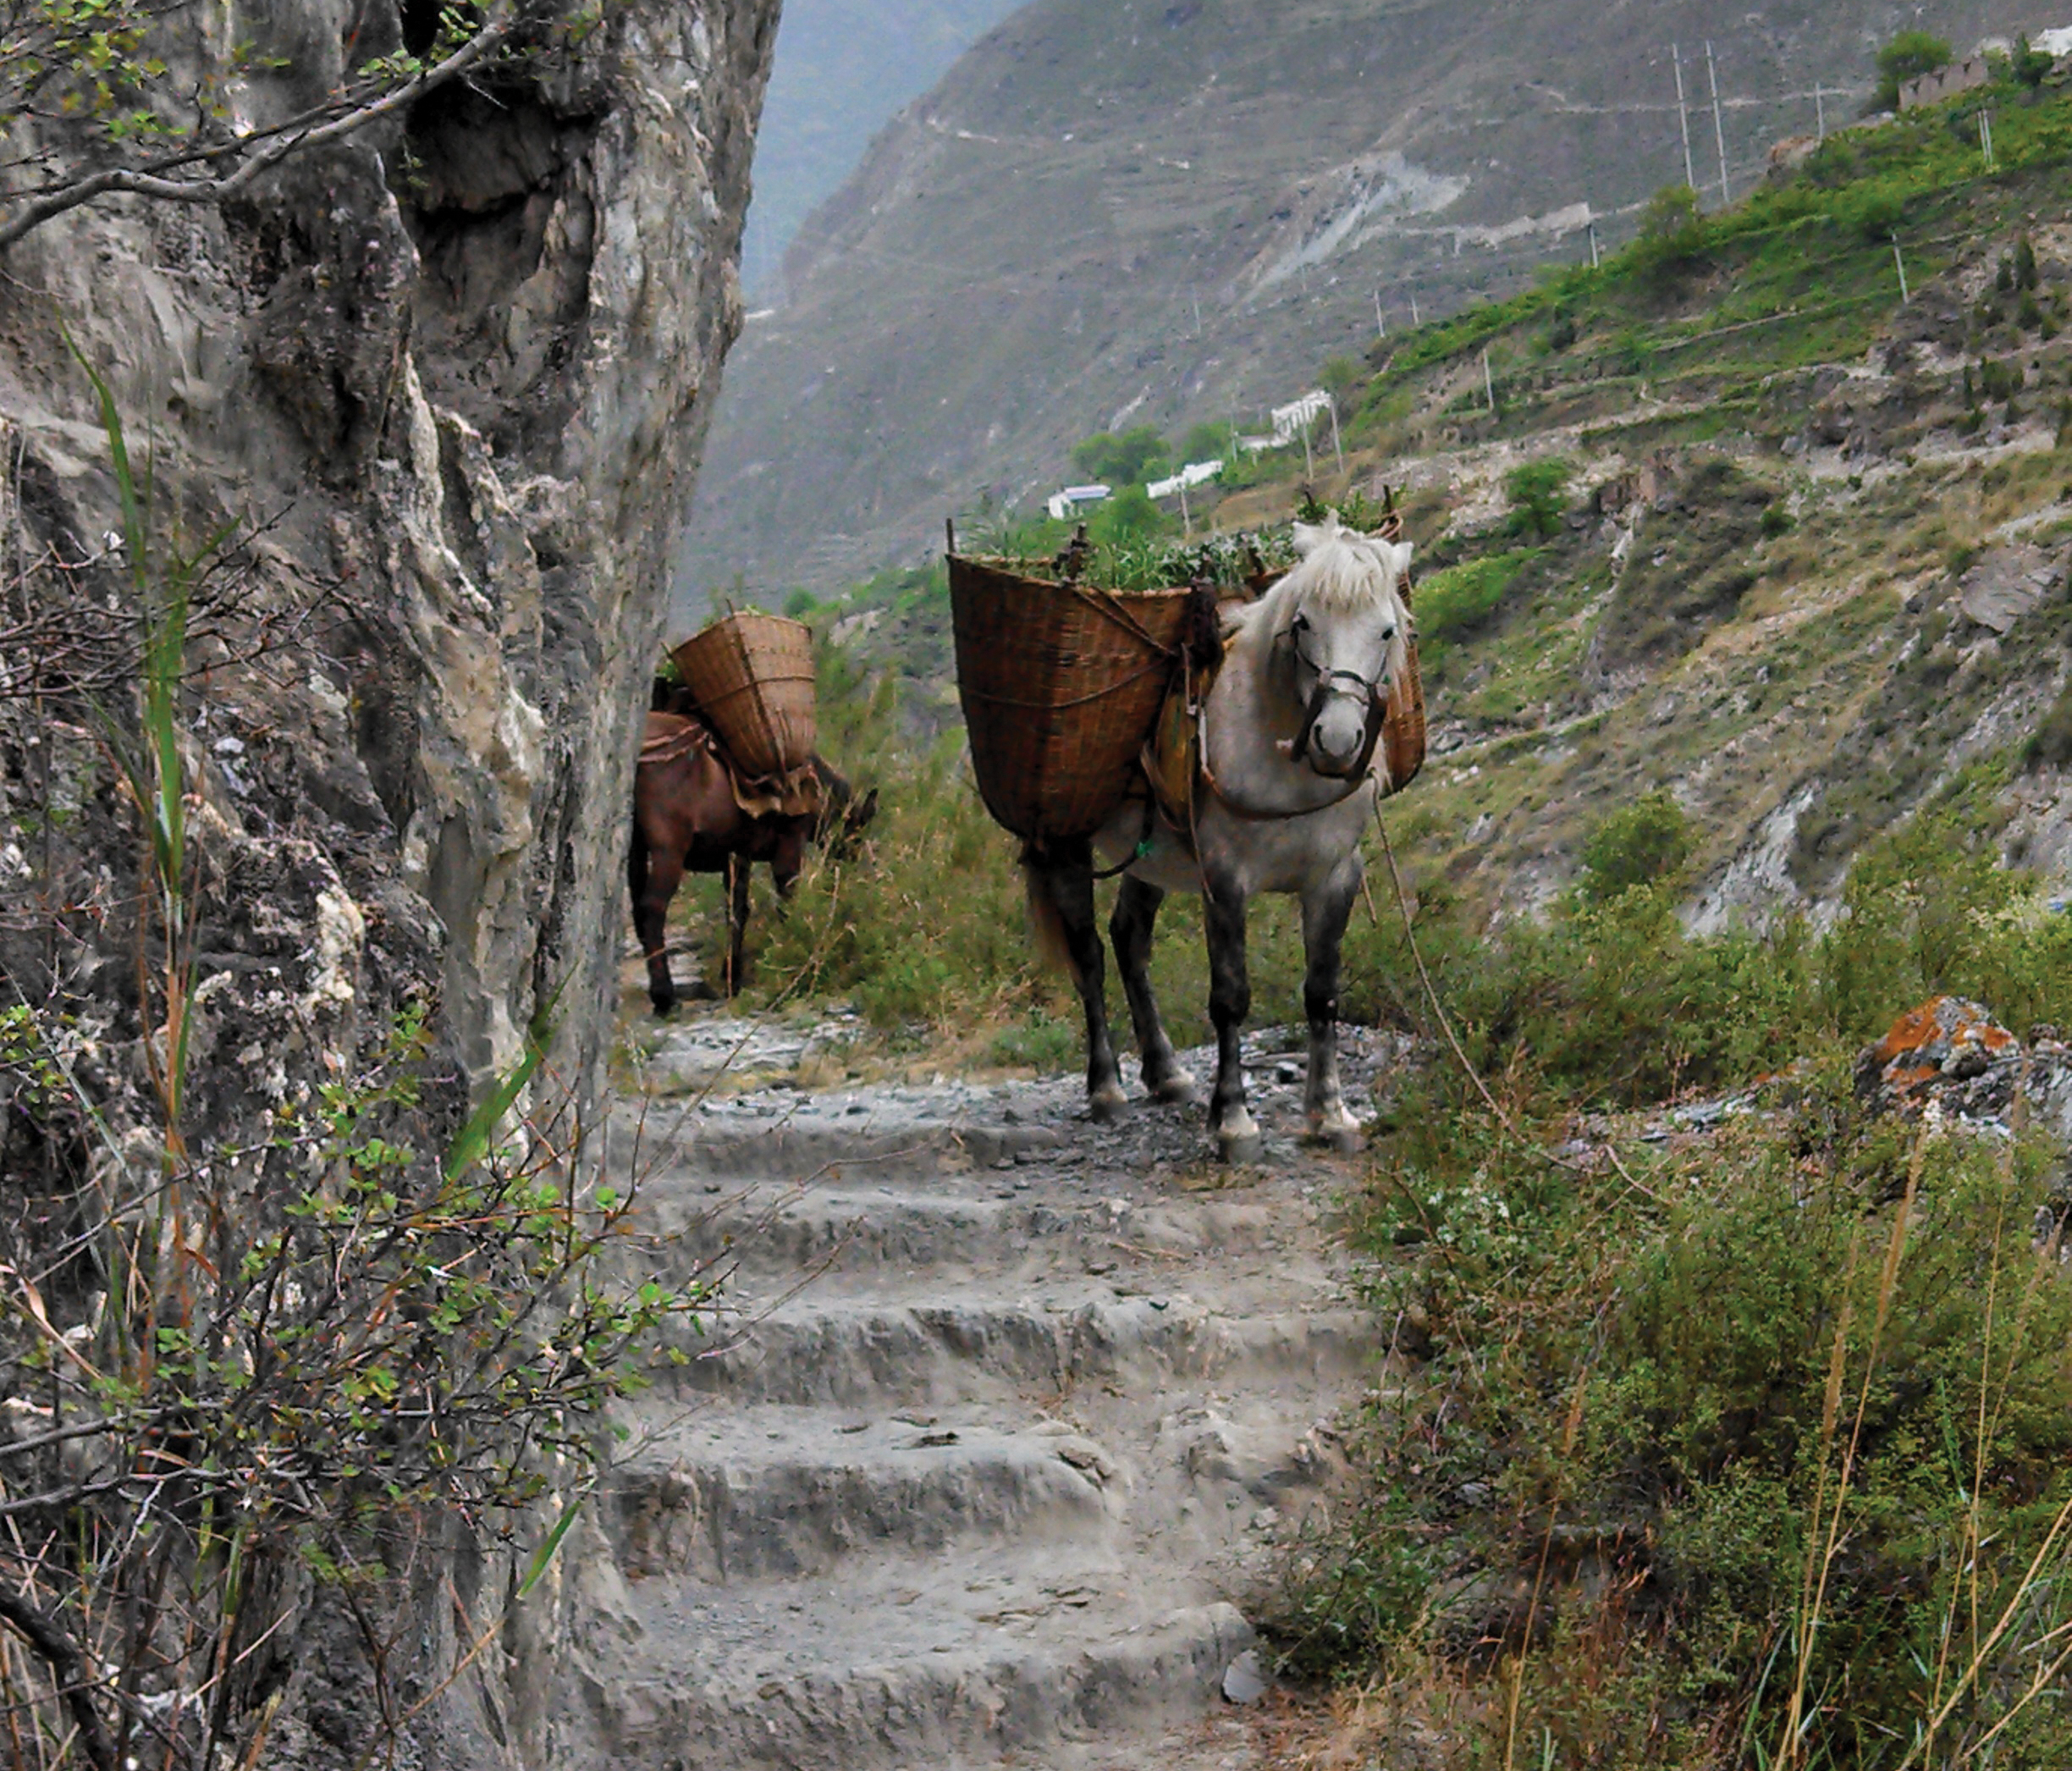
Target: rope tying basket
[751, 675]
[1060, 683]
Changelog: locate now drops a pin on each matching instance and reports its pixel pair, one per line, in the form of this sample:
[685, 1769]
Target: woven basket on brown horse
[1061, 685]
[751, 675]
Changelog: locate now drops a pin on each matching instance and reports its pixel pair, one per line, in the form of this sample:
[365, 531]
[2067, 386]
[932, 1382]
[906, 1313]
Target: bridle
[1329, 684]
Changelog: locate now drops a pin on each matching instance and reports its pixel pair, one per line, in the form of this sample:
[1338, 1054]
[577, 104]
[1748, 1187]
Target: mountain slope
[1023, 256]
[843, 68]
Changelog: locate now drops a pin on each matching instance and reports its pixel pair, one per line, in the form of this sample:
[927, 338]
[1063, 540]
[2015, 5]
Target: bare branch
[70, 1665]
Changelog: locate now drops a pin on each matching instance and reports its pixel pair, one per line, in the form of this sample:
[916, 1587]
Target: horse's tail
[1053, 943]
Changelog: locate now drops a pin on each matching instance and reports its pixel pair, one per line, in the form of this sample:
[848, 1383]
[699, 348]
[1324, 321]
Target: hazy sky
[844, 68]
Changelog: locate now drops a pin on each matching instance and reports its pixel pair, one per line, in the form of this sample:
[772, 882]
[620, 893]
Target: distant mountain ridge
[843, 67]
[1158, 210]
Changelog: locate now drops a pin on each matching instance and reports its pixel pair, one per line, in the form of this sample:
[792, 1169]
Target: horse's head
[1340, 630]
[843, 817]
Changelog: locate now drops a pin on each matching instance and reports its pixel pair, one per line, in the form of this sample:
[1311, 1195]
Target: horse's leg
[1061, 891]
[1136, 912]
[738, 879]
[1230, 1000]
[1325, 914]
[654, 878]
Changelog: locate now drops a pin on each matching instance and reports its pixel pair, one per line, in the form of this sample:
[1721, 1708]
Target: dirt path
[1004, 1416]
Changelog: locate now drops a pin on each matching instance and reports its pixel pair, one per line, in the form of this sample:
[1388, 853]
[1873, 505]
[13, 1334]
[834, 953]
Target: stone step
[789, 1492]
[952, 1666]
[804, 1139]
[767, 1232]
[850, 1352]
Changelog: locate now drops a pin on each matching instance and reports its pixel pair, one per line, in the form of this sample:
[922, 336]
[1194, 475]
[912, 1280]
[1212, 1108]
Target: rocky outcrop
[446, 384]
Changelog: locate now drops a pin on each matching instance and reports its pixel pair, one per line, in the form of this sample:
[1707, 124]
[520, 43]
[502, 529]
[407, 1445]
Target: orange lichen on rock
[1945, 1041]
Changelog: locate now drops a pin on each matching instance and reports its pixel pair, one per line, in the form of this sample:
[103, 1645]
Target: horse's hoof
[1175, 1091]
[664, 1007]
[1107, 1105]
[1239, 1149]
[1345, 1140]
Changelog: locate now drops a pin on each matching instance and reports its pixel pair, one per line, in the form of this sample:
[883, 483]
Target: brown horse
[687, 819]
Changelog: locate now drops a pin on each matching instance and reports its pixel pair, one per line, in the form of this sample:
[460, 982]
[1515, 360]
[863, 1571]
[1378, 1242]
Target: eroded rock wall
[448, 380]
[455, 372]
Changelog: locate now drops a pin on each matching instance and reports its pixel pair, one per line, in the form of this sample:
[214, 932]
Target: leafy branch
[87, 62]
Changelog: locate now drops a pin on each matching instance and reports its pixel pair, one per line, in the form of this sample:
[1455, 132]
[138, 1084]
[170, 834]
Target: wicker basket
[751, 675]
[1403, 733]
[1061, 685]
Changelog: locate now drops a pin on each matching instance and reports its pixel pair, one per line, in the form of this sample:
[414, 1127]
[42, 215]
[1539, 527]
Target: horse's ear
[1309, 537]
[867, 811]
[1399, 556]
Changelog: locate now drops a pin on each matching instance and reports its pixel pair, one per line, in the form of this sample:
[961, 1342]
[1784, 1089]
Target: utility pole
[1196, 299]
[1380, 319]
[1414, 320]
[1819, 111]
[1690, 173]
[1186, 522]
[1489, 384]
[1986, 145]
[1337, 448]
[1719, 127]
[1899, 259]
[1308, 459]
[1593, 237]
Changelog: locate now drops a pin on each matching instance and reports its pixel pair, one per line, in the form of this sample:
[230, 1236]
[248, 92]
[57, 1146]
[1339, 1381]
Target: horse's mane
[1341, 572]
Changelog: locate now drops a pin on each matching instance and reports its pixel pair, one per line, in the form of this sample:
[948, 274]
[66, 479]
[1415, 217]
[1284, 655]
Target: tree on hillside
[1129, 515]
[1535, 491]
[1672, 229]
[1209, 442]
[2030, 65]
[1908, 56]
[1130, 459]
[1338, 378]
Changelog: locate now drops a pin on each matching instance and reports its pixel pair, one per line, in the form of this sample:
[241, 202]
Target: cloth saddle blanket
[671, 737]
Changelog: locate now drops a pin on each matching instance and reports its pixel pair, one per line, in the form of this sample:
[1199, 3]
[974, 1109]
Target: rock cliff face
[450, 379]
[456, 375]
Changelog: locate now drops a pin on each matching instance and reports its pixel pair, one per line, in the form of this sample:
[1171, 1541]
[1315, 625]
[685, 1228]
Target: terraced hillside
[1807, 562]
[1175, 212]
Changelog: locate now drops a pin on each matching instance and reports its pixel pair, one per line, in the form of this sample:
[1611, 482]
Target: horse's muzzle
[1336, 747]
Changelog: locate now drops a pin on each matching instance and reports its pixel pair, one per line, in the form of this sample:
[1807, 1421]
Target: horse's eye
[1299, 624]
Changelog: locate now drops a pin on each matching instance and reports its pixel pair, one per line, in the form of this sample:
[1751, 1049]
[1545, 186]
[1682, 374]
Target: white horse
[1292, 771]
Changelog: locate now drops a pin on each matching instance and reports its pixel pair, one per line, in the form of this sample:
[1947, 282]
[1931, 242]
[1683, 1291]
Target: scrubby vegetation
[1730, 1420]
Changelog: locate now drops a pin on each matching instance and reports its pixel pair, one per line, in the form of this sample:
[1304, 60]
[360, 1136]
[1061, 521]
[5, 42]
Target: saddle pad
[671, 737]
[1172, 756]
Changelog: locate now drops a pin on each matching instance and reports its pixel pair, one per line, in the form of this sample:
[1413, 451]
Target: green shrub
[2000, 380]
[1131, 458]
[1535, 491]
[1641, 1397]
[1640, 844]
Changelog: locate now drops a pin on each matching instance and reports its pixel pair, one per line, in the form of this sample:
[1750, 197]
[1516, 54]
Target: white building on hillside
[1290, 421]
[1193, 474]
[1073, 500]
